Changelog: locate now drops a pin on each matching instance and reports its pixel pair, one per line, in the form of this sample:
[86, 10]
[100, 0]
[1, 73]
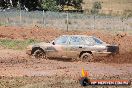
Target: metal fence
[66, 21]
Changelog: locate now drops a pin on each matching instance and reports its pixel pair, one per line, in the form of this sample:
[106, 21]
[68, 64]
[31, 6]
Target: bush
[50, 5]
[127, 14]
[96, 7]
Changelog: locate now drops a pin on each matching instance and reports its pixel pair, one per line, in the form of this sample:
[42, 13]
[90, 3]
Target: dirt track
[14, 63]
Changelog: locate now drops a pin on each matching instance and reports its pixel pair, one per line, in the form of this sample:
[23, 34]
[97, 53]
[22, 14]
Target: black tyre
[39, 53]
[86, 57]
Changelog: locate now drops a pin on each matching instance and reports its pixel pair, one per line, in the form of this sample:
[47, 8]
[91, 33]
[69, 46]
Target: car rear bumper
[113, 49]
[101, 53]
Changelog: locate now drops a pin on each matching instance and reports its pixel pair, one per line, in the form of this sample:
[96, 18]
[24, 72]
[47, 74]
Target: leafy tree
[14, 3]
[50, 5]
[75, 3]
[96, 7]
[69, 2]
[30, 4]
[3, 4]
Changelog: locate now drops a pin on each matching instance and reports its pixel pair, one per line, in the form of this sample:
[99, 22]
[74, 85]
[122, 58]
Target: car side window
[90, 41]
[98, 41]
[75, 40]
[61, 40]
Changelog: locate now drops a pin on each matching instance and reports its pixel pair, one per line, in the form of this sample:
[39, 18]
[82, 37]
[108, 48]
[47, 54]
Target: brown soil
[123, 40]
[15, 63]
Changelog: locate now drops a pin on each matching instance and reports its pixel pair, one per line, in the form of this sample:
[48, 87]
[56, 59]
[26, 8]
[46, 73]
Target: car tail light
[113, 49]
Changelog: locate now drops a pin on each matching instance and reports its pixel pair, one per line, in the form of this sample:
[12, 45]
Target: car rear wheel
[86, 57]
[39, 54]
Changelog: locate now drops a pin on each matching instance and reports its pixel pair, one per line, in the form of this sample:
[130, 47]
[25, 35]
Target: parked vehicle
[72, 46]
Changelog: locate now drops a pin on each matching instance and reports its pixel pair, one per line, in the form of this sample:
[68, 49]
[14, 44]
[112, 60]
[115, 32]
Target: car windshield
[98, 41]
[61, 40]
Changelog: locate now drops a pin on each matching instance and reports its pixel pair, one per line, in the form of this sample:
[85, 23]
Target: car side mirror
[53, 43]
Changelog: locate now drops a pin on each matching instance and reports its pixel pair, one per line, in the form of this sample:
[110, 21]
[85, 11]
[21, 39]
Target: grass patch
[1, 24]
[16, 44]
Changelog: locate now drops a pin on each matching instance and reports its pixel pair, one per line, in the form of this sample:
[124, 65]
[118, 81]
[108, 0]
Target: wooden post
[20, 16]
[44, 19]
[67, 21]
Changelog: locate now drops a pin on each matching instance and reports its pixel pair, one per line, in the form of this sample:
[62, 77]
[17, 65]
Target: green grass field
[16, 44]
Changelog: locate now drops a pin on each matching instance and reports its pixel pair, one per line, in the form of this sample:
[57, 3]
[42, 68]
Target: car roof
[78, 35]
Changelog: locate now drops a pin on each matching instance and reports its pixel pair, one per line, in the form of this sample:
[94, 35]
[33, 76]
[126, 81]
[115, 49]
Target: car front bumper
[28, 52]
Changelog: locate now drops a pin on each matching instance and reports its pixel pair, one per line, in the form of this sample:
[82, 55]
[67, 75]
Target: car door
[94, 45]
[59, 46]
[75, 45]
[89, 44]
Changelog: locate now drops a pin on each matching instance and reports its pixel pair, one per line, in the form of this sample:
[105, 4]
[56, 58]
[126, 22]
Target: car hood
[42, 44]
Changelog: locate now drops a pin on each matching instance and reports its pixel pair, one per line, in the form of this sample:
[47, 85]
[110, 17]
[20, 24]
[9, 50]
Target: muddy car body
[72, 46]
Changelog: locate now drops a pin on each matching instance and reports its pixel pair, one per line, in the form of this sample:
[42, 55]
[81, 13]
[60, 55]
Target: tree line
[50, 5]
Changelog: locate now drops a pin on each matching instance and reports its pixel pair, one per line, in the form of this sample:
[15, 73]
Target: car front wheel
[86, 57]
[39, 54]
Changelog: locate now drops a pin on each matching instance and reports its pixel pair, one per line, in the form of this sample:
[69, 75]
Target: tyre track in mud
[55, 72]
[17, 63]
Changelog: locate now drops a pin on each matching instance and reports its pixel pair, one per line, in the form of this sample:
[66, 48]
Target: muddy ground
[17, 70]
